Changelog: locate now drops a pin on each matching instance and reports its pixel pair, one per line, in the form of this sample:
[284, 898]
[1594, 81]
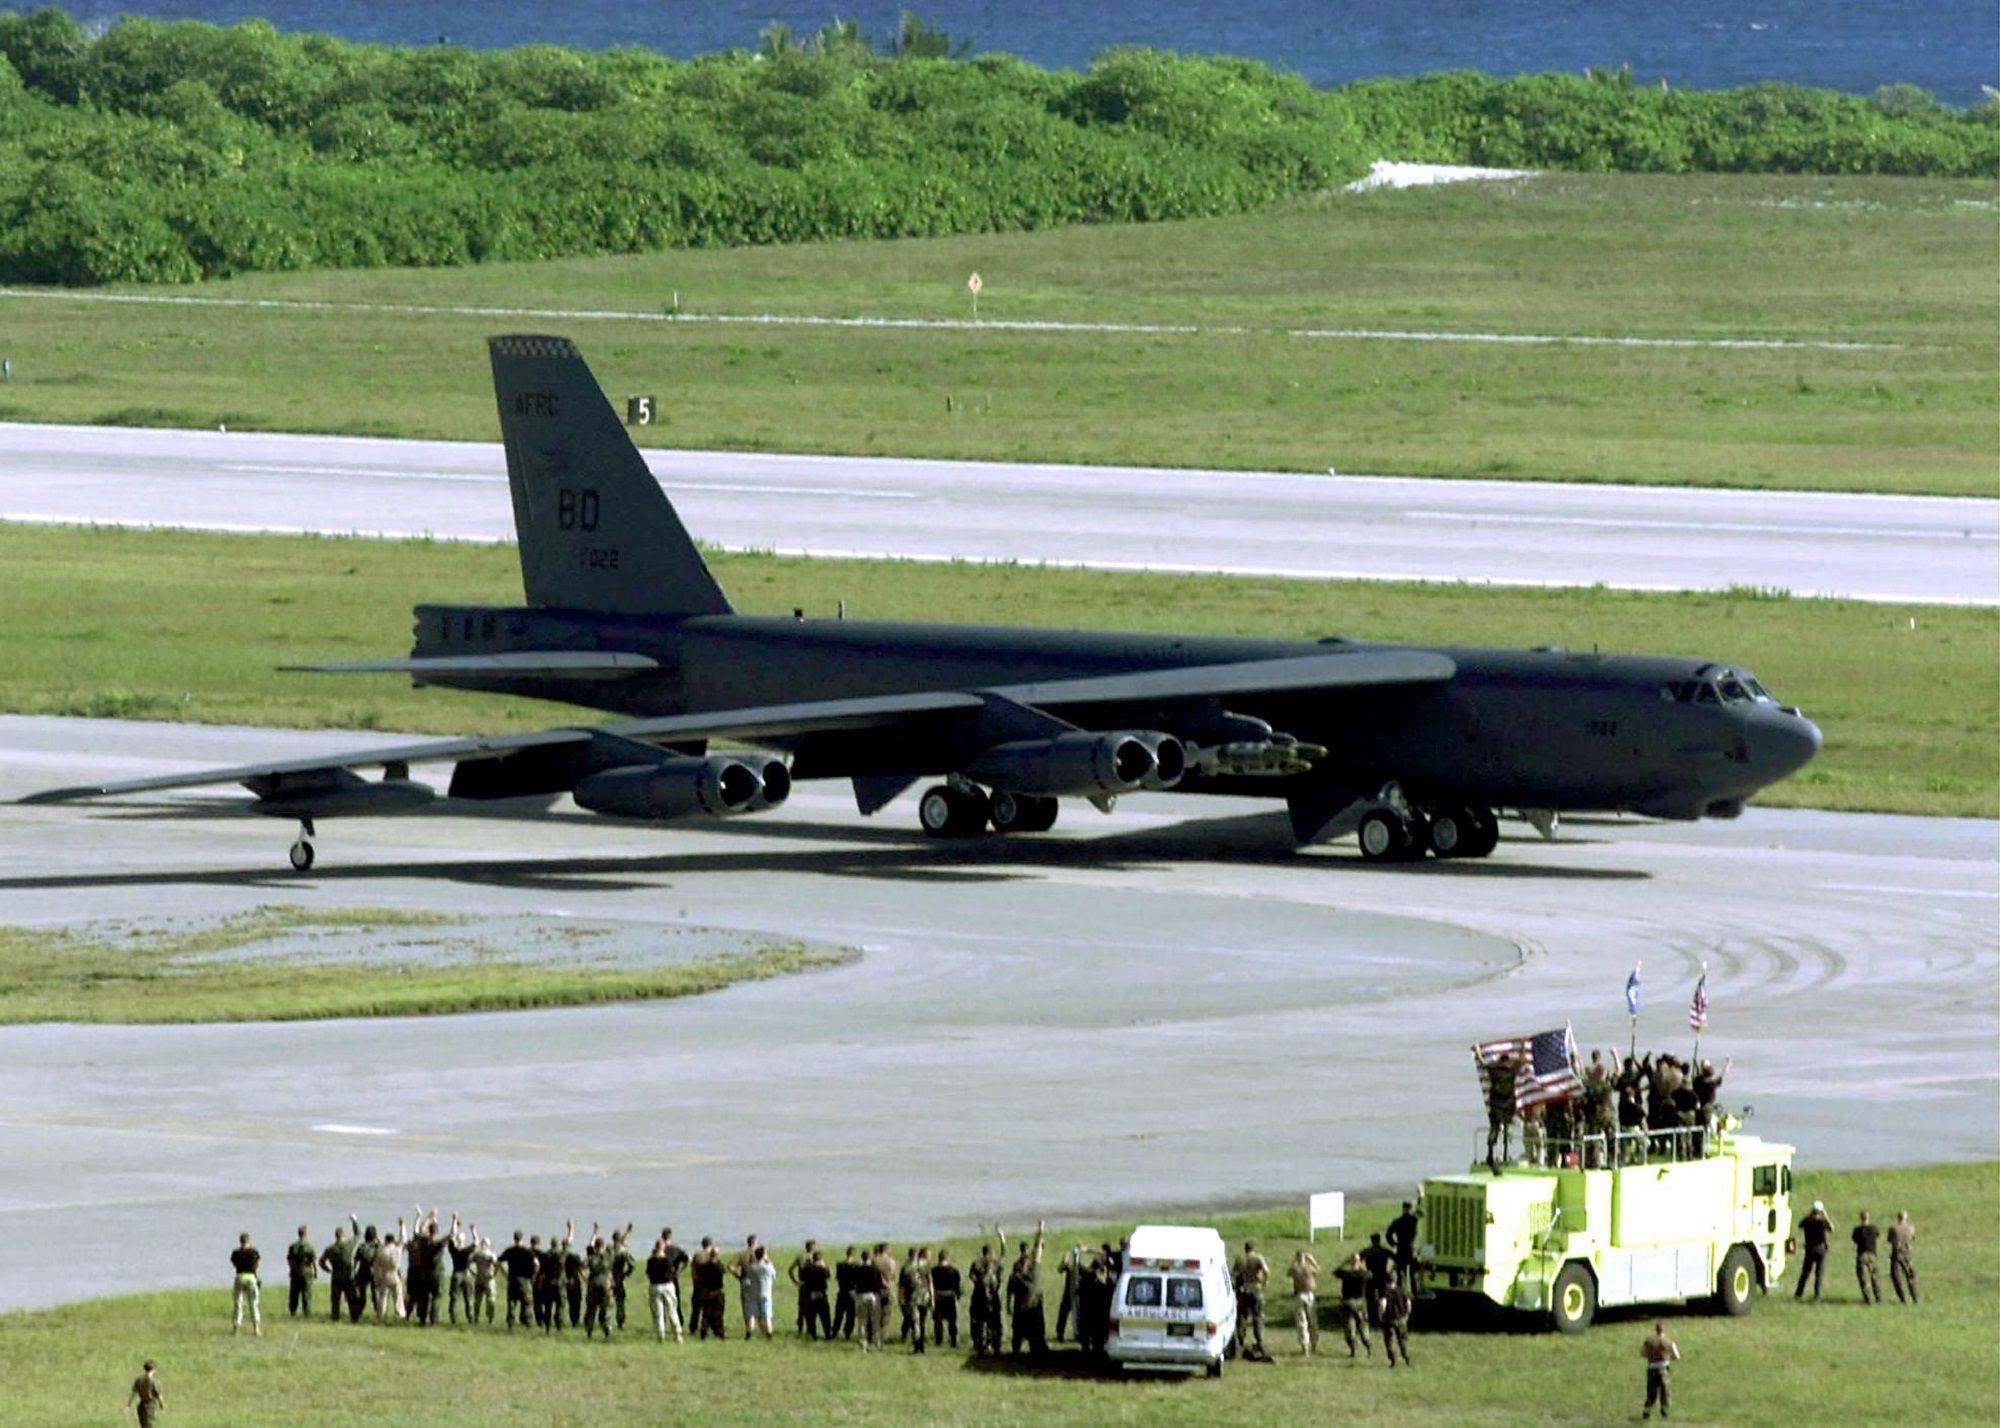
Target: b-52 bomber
[1413, 749]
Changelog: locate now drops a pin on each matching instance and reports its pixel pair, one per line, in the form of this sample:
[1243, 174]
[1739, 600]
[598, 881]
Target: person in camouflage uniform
[485, 1280]
[337, 1259]
[624, 1264]
[921, 1295]
[1499, 1113]
[597, 1273]
[988, 1274]
[302, 1268]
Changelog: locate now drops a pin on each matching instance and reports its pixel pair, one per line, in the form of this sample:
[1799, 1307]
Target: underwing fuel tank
[678, 787]
[334, 793]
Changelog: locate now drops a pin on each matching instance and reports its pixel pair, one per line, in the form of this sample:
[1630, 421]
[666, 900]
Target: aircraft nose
[1786, 743]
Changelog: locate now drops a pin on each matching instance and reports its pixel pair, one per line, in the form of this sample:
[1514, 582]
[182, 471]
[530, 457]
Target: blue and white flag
[1632, 993]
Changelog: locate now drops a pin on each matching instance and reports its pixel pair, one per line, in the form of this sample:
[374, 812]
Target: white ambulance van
[1173, 1309]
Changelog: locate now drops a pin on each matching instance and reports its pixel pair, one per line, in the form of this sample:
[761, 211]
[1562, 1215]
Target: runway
[1880, 548]
[1163, 1007]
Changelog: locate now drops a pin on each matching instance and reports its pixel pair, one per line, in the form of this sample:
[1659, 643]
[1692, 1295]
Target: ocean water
[1950, 47]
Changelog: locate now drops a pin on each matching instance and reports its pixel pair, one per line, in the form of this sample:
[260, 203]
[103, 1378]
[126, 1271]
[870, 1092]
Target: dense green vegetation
[173, 151]
[270, 964]
[133, 624]
[1905, 263]
[1825, 1363]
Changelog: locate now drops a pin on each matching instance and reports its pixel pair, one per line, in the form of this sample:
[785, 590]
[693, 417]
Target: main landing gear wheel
[1021, 812]
[1485, 835]
[301, 852]
[1389, 837]
[949, 812]
[1464, 832]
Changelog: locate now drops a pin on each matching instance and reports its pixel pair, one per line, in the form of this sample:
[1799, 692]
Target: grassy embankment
[252, 967]
[1877, 260]
[1831, 1363]
[174, 625]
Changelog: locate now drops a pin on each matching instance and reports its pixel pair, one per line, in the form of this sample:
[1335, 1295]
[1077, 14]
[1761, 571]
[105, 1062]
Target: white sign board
[1327, 1212]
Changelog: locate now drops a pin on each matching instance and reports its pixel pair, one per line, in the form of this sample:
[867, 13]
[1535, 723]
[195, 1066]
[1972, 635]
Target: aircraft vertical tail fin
[596, 530]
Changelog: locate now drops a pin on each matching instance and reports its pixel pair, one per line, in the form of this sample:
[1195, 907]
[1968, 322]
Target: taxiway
[1165, 1007]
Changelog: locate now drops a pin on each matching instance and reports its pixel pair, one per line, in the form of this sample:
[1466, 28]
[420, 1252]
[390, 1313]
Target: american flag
[1544, 1066]
[1698, 1003]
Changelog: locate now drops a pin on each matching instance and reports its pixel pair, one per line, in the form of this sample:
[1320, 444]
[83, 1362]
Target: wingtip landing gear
[302, 849]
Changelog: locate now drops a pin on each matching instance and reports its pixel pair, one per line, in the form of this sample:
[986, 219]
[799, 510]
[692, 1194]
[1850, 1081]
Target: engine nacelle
[774, 785]
[1113, 763]
[675, 788]
[1170, 760]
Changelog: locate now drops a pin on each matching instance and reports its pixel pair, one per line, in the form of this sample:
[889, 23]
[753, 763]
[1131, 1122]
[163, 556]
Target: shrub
[168, 152]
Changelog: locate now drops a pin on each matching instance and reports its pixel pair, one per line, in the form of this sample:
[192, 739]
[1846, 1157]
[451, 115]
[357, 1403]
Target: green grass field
[1831, 1363]
[250, 968]
[175, 625]
[1908, 262]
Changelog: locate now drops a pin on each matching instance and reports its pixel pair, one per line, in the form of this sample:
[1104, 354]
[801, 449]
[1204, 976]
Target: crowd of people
[1629, 1110]
[433, 1269]
[430, 1268]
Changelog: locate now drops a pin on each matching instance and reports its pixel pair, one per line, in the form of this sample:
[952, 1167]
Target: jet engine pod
[1085, 763]
[673, 788]
[1170, 760]
[774, 785]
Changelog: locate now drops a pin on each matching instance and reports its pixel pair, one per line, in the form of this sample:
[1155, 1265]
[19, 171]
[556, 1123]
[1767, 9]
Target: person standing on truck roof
[1499, 1113]
[1305, 1298]
[1252, 1272]
[1396, 1307]
[1867, 1239]
[1816, 1230]
[1353, 1277]
[1902, 1270]
[1403, 1238]
[1661, 1354]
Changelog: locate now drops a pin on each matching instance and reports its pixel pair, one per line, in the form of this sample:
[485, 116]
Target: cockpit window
[1758, 690]
[1733, 692]
[1705, 694]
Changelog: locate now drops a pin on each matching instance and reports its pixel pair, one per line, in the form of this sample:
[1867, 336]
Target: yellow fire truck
[1638, 1218]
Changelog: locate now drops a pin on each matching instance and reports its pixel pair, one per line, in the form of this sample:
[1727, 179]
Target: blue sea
[1950, 47]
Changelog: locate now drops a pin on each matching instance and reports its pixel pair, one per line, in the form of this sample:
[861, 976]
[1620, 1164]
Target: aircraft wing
[1335, 670]
[430, 751]
[1353, 669]
[768, 720]
[519, 664]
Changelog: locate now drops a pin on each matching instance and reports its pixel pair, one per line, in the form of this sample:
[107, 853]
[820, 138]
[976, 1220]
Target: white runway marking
[1894, 891]
[746, 488]
[1724, 527]
[335, 1128]
[948, 324]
